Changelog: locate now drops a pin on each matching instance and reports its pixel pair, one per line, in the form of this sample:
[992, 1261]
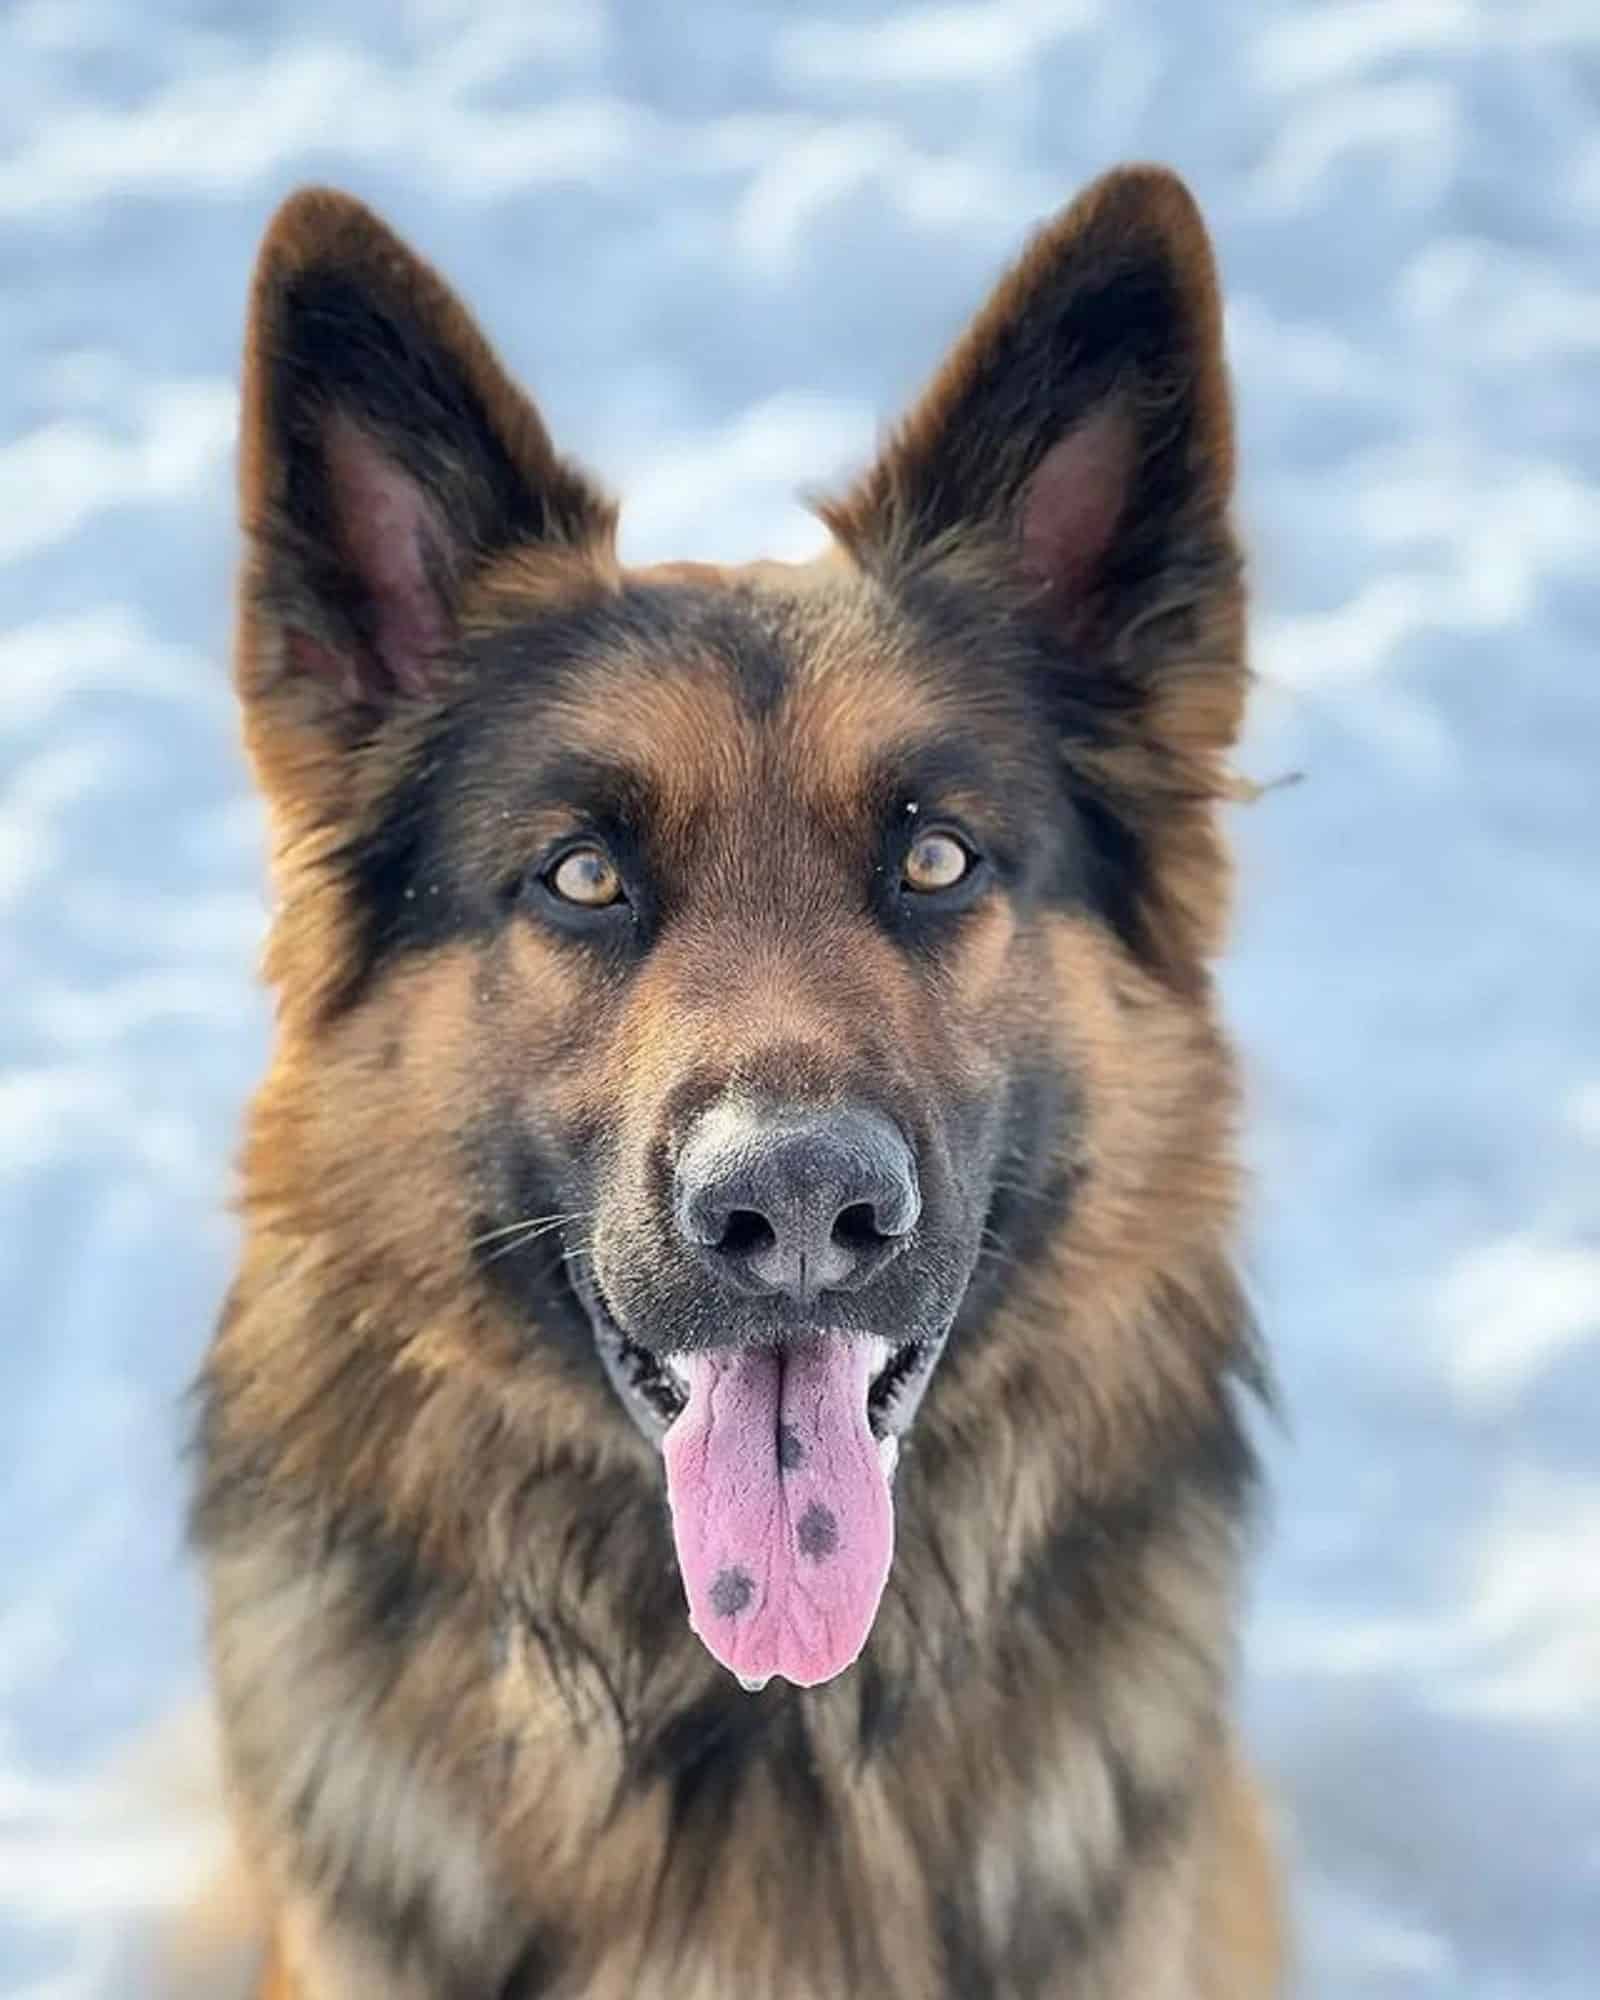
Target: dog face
[729, 1017]
[687, 964]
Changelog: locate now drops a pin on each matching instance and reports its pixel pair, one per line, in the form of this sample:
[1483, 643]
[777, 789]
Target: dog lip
[897, 1389]
[652, 1393]
[654, 1390]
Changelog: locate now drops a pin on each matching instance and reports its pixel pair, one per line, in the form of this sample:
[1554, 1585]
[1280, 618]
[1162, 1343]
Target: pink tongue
[780, 1508]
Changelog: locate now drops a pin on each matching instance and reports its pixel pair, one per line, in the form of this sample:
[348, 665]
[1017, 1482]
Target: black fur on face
[764, 947]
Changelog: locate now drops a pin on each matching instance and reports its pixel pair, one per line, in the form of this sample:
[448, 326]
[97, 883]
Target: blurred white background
[723, 242]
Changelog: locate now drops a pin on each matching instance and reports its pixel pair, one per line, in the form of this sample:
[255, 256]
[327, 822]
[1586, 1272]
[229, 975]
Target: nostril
[856, 1227]
[801, 1203]
[745, 1233]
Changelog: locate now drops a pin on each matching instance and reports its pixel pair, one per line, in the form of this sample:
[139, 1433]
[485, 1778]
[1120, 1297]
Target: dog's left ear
[1079, 444]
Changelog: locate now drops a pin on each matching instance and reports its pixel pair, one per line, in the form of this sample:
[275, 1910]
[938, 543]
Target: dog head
[742, 977]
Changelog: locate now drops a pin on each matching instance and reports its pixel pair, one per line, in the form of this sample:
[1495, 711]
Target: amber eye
[936, 861]
[586, 876]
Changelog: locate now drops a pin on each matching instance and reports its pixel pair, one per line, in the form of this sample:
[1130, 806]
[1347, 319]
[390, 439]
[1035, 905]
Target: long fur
[471, 1745]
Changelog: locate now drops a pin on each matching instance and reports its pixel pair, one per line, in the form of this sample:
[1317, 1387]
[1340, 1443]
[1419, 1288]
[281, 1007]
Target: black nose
[796, 1203]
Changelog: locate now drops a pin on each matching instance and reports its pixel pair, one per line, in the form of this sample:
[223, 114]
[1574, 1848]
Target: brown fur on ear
[385, 458]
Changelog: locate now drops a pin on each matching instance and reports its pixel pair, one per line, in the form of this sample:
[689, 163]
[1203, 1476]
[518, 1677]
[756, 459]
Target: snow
[723, 243]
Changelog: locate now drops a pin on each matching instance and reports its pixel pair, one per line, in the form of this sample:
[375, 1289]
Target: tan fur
[1033, 1765]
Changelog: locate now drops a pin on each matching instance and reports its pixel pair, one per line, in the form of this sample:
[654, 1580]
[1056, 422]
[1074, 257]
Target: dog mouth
[779, 1463]
[654, 1388]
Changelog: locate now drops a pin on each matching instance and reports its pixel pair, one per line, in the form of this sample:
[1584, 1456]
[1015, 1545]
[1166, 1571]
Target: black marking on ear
[817, 1532]
[1124, 323]
[731, 1592]
[396, 458]
[791, 1452]
[337, 348]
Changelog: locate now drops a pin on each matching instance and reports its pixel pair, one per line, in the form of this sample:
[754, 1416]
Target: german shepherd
[722, 1472]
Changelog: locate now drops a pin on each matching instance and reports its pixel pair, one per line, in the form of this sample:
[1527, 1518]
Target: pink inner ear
[382, 522]
[1074, 501]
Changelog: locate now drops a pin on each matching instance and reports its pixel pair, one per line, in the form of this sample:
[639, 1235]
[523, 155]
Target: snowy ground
[724, 240]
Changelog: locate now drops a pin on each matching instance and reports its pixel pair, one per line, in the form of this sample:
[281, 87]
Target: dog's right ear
[385, 459]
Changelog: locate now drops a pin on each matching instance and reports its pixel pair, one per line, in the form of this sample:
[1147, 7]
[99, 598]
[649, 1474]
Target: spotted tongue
[780, 1507]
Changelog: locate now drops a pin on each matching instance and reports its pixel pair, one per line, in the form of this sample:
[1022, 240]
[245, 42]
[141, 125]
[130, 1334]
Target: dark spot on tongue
[817, 1532]
[791, 1452]
[731, 1593]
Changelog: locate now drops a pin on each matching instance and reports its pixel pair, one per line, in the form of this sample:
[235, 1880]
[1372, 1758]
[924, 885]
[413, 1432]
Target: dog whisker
[531, 1222]
[529, 1235]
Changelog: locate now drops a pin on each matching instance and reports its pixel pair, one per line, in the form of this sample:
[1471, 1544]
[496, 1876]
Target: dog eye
[936, 861]
[586, 876]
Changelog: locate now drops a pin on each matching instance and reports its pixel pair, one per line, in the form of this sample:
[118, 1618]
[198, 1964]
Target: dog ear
[385, 459]
[1078, 443]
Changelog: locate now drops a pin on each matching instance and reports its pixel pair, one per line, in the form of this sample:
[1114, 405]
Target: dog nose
[799, 1204]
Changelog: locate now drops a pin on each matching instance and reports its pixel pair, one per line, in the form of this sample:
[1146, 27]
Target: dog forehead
[705, 684]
